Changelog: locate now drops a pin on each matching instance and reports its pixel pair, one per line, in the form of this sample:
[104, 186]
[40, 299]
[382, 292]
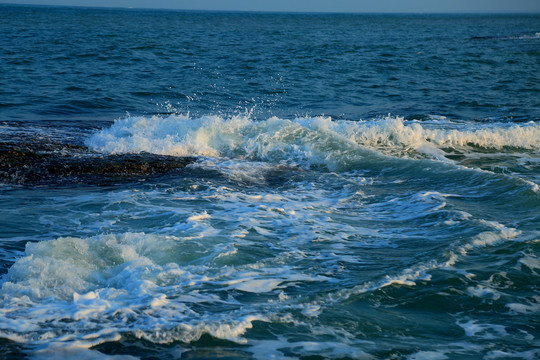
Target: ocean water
[198, 185]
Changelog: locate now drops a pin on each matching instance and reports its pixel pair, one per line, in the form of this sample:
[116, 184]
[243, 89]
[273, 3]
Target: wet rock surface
[41, 163]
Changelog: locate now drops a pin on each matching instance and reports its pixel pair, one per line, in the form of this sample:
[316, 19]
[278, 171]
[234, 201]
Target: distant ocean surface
[212, 185]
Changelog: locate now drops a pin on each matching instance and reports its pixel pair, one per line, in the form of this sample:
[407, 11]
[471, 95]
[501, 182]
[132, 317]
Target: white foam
[303, 141]
[266, 349]
[483, 292]
[421, 272]
[530, 307]
[532, 354]
[232, 244]
[484, 331]
[256, 285]
[531, 262]
[490, 238]
[408, 277]
[199, 217]
[312, 310]
[500, 234]
[75, 351]
[105, 283]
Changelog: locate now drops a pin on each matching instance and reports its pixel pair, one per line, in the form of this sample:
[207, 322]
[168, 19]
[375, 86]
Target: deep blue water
[195, 185]
[67, 62]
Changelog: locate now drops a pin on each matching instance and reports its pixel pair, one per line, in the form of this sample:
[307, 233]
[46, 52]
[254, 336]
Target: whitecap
[305, 141]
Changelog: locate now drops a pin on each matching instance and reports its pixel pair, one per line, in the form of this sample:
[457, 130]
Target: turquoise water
[195, 185]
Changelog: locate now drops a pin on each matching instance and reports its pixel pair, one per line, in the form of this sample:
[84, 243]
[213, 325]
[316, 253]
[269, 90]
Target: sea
[243, 185]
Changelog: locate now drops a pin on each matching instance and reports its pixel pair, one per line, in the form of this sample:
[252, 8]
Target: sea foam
[305, 141]
[132, 282]
[110, 282]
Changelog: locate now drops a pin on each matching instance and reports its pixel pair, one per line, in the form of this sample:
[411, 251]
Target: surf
[308, 141]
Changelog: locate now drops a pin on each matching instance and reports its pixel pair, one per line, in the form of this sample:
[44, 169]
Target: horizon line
[457, 12]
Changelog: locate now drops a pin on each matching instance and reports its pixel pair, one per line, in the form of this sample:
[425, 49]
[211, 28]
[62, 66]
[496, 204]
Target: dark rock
[29, 163]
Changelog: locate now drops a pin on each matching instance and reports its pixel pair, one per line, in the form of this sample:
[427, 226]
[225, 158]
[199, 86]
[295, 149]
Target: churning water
[195, 185]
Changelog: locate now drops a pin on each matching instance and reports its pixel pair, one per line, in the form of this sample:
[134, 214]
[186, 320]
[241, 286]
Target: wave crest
[306, 141]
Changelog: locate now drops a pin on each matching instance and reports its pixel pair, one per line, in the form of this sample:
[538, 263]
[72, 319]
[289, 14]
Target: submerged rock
[30, 163]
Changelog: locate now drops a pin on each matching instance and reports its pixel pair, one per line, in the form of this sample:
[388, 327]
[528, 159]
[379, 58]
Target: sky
[414, 6]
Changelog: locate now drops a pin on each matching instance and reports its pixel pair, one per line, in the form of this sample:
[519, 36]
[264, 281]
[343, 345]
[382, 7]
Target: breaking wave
[317, 141]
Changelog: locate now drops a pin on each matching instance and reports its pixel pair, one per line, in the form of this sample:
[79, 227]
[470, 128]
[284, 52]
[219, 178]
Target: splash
[307, 142]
